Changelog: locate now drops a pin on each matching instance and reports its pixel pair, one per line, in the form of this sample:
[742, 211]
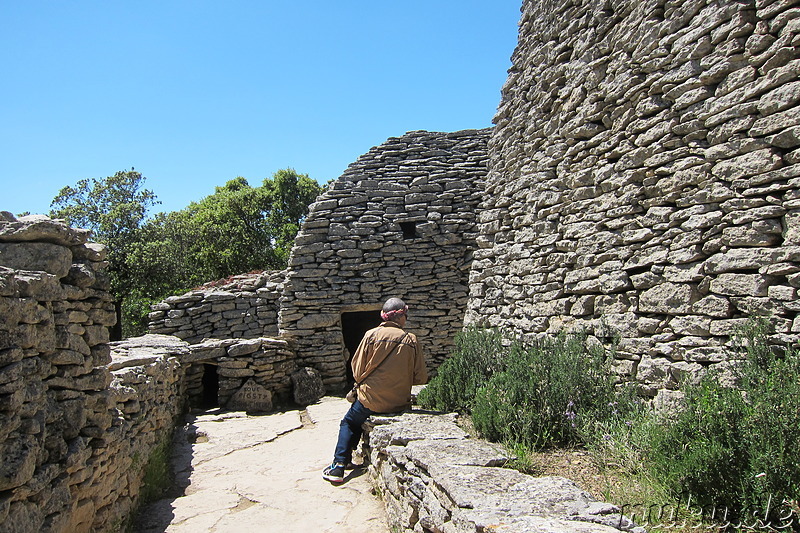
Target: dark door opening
[210, 382]
[354, 325]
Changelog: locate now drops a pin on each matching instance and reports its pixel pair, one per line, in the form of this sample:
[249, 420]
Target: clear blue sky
[193, 94]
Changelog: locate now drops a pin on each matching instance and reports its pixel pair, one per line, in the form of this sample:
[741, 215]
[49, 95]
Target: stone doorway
[210, 381]
[354, 325]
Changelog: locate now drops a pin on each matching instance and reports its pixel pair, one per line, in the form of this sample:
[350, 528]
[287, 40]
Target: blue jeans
[350, 432]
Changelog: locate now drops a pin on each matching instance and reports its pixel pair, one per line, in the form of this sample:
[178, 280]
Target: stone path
[264, 474]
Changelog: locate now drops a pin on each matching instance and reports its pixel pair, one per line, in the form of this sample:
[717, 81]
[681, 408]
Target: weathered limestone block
[91, 251]
[690, 325]
[669, 298]
[446, 481]
[23, 517]
[307, 386]
[762, 233]
[41, 256]
[654, 373]
[734, 284]
[40, 228]
[80, 275]
[252, 398]
[748, 164]
[20, 457]
[228, 372]
[683, 372]
[244, 347]
[775, 122]
[740, 259]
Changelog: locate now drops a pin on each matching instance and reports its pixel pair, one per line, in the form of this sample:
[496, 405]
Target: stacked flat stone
[351, 253]
[244, 306]
[433, 477]
[63, 422]
[268, 362]
[148, 396]
[644, 179]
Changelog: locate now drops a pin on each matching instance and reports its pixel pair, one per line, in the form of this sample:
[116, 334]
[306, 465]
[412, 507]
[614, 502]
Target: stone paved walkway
[264, 473]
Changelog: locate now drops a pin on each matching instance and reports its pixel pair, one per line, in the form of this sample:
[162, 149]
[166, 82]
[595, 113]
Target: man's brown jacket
[387, 389]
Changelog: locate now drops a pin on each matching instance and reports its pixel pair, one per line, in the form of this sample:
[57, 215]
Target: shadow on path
[262, 473]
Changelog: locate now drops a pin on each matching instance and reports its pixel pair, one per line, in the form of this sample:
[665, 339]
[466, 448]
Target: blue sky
[193, 94]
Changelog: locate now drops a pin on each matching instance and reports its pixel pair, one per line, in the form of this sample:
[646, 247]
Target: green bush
[736, 447]
[478, 355]
[548, 391]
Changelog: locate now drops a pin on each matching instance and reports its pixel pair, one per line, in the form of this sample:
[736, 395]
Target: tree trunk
[115, 331]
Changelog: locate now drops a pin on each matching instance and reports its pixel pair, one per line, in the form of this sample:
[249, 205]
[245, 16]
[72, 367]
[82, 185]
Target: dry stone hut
[641, 184]
[644, 179]
[401, 221]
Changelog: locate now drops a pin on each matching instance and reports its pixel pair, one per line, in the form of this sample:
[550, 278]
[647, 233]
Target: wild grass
[157, 475]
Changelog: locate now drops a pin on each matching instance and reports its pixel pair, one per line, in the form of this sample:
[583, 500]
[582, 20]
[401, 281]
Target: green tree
[291, 194]
[114, 208]
[244, 228]
[237, 229]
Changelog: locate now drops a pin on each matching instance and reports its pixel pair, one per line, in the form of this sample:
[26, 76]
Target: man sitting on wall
[385, 366]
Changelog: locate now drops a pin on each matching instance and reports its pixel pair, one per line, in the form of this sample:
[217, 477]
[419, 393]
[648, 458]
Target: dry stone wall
[264, 365]
[76, 423]
[433, 477]
[400, 221]
[644, 179]
[241, 307]
[148, 394]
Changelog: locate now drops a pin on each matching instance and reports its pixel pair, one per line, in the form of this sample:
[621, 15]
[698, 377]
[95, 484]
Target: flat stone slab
[222, 435]
[145, 350]
[399, 430]
[430, 454]
[202, 508]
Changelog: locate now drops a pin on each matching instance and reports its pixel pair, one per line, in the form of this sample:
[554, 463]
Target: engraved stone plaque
[252, 398]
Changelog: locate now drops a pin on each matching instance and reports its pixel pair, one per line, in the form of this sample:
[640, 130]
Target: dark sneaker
[334, 473]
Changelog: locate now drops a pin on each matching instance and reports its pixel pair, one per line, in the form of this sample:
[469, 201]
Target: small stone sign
[252, 398]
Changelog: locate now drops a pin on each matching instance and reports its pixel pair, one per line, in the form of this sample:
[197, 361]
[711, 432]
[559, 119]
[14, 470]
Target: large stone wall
[400, 221]
[76, 424]
[240, 307]
[644, 179]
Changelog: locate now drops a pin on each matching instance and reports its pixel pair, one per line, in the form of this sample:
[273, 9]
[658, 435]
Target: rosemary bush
[737, 447]
[547, 392]
[478, 355]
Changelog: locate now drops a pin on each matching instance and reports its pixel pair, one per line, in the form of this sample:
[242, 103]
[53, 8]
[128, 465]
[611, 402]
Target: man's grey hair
[393, 304]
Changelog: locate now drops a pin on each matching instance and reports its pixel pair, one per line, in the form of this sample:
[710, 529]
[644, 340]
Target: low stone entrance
[354, 325]
[209, 397]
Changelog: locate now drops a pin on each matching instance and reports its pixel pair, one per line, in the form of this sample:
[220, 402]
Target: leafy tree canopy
[114, 208]
[237, 229]
[243, 228]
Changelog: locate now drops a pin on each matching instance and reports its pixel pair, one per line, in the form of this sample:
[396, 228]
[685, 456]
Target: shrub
[547, 393]
[737, 448]
[478, 355]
